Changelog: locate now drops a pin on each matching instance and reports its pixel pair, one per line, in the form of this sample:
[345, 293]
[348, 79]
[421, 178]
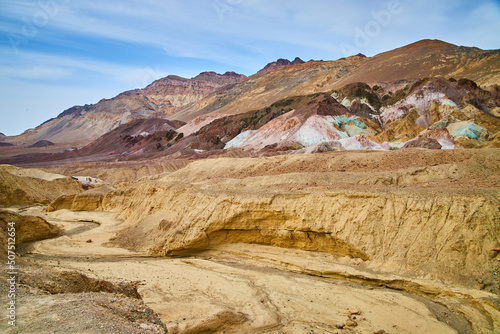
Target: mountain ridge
[178, 98]
[158, 99]
[281, 62]
[425, 58]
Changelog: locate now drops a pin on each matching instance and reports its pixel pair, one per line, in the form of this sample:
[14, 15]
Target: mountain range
[159, 99]
[429, 94]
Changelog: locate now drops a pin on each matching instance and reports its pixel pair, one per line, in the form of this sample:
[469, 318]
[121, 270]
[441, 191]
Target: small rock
[351, 323]
[354, 311]
[340, 326]
[89, 241]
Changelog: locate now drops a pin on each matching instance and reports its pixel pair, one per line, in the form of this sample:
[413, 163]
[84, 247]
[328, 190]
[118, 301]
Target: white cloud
[198, 29]
[53, 67]
[36, 72]
[245, 34]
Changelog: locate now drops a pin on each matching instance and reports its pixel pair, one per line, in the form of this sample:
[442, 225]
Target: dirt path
[251, 288]
[86, 233]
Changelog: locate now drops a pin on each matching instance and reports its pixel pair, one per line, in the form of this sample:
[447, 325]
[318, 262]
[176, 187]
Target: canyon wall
[413, 220]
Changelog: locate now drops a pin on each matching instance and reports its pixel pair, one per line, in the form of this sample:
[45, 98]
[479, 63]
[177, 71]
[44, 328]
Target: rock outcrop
[30, 186]
[42, 143]
[174, 91]
[27, 229]
[221, 79]
[423, 142]
[280, 63]
[89, 200]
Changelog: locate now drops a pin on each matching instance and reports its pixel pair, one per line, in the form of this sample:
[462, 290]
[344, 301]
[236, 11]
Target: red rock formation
[280, 63]
[323, 105]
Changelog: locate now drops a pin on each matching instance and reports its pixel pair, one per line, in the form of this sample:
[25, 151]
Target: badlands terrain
[352, 196]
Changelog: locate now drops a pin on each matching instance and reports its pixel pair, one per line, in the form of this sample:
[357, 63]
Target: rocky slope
[321, 120]
[174, 91]
[426, 58]
[159, 99]
[133, 140]
[407, 113]
[432, 113]
[262, 89]
[137, 137]
[429, 58]
[184, 99]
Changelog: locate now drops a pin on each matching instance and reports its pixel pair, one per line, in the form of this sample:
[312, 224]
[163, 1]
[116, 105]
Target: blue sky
[58, 53]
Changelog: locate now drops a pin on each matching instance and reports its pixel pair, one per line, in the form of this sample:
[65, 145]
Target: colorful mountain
[84, 124]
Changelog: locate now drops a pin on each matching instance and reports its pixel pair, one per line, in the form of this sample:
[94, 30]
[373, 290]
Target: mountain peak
[281, 63]
[226, 78]
[297, 60]
[428, 43]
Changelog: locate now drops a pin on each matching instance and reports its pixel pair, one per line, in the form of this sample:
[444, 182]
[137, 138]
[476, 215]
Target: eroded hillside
[351, 196]
[440, 218]
[352, 234]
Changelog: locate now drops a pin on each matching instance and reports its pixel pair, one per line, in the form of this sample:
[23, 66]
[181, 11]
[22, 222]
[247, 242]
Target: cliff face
[174, 91]
[28, 229]
[411, 221]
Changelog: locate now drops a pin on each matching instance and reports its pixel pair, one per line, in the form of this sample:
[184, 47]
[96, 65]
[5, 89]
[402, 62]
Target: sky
[55, 54]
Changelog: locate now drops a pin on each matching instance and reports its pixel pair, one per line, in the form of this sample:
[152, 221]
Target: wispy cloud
[36, 72]
[116, 46]
[52, 67]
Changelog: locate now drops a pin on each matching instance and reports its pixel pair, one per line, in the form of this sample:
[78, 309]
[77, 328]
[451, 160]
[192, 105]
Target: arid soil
[344, 242]
[52, 299]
